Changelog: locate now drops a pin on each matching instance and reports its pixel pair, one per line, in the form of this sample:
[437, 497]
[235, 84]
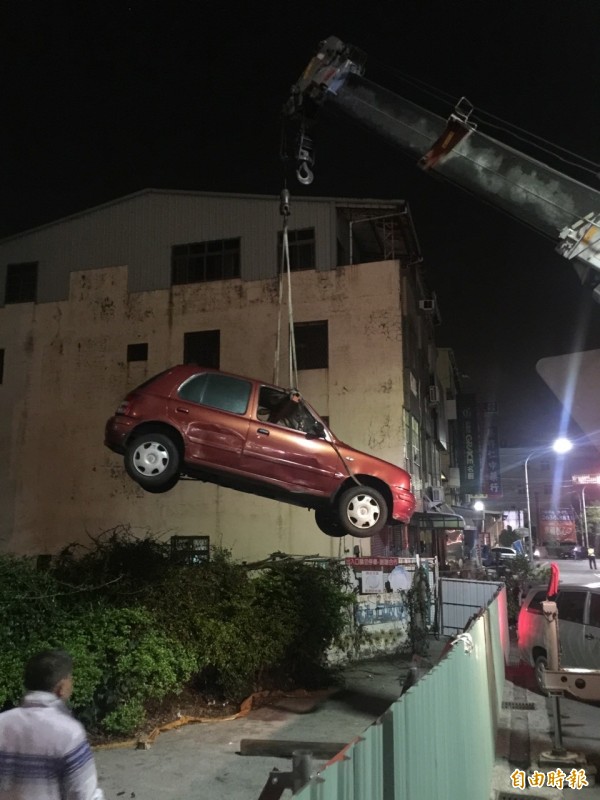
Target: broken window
[199, 262]
[312, 344]
[302, 248]
[21, 283]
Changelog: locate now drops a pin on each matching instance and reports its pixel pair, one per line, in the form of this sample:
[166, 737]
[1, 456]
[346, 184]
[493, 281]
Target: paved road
[201, 762]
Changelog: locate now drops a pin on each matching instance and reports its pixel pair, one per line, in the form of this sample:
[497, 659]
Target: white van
[578, 628]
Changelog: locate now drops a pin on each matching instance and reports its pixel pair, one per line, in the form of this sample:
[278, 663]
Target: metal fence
[437, 741]
[460, 600]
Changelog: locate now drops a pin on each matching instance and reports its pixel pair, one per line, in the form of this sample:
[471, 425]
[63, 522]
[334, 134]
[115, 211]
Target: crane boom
[546, 199]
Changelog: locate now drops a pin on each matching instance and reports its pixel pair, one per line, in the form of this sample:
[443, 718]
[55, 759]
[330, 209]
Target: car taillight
[124, 408]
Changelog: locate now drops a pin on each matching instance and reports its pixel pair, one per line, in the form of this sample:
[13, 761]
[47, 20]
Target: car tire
[362, 511]
[328, 523]
[540, 664]
[153, 461]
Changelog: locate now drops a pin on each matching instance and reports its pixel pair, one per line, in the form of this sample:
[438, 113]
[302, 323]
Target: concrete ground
[203, 761]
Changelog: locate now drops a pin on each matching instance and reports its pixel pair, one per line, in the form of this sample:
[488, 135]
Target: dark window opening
[302, 249]
[312, 345]
[137, 352]
[200, 262]
[190, 550]
[21, 283]
[203, 348]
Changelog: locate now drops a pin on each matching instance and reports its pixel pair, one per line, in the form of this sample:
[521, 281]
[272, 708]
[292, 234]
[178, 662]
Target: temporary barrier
[437, 741]
[460, 600]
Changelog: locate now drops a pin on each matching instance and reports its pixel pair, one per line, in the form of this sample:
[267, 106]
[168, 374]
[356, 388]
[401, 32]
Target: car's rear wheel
[329, 523]
[540, 666]
[363, 511]
[153, 461]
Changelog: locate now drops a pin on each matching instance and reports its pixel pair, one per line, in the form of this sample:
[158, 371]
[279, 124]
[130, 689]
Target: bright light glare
[478, 505]
[562, 445]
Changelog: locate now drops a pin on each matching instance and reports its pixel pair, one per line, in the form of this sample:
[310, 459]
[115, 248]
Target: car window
[276, 406]
[193, 389]
[535, 606]
[571, 606]
[218, 391]
[595, 610]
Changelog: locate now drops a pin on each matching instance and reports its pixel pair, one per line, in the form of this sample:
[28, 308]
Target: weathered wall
[66, 371]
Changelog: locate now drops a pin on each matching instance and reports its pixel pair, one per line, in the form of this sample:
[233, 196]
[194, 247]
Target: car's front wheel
[153, 461]
[363, 511]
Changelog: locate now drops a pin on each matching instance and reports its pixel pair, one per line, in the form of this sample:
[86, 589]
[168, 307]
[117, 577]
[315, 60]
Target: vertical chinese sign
[468, 444]
[491, 484]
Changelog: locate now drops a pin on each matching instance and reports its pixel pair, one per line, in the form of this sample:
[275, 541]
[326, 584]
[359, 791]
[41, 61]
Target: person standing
[44, 752]
[591, 553]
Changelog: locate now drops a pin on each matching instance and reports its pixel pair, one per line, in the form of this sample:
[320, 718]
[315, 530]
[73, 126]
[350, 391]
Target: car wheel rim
[363, 511]
[151, 459]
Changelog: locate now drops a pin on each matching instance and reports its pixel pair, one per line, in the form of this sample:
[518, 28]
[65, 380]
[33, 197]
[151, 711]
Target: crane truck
[549, 201]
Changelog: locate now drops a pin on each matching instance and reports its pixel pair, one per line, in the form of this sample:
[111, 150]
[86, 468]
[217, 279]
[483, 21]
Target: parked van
[578, 628]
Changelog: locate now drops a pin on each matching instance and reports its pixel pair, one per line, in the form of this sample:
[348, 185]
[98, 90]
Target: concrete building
[94, 304]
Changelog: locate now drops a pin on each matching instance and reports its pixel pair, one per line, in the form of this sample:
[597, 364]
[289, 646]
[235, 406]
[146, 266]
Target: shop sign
[368, 562]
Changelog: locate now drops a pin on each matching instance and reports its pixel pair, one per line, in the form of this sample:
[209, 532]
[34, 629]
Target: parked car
[578, 627]
[500, 554]
[249, 435]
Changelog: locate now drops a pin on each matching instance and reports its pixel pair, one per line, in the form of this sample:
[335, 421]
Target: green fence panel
[437, 741]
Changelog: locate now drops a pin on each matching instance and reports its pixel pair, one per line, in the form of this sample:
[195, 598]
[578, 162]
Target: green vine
[418, 600]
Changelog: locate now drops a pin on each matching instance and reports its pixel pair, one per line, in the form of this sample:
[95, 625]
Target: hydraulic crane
[549, 201]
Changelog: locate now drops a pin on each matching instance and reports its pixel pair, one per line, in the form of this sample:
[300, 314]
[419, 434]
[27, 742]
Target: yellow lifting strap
[284, 273]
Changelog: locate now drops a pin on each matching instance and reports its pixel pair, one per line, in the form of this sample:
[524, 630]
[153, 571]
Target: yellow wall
[66, 372]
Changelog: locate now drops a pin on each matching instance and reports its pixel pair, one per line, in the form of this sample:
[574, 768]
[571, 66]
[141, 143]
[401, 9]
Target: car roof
[182, 371]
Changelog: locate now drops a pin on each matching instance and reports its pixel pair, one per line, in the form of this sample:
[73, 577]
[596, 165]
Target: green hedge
[141, 627]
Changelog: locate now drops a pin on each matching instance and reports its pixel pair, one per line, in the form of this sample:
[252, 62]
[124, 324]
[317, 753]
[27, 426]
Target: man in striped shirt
[44, 752]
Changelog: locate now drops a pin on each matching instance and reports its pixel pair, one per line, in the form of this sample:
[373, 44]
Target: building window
[137, 352]
[199, 262]
[21, 283]
[2, 365]
[202, 347]
[302, 248]
[312, 345]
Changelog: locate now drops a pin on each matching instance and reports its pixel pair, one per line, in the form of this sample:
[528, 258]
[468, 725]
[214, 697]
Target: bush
[140, 627]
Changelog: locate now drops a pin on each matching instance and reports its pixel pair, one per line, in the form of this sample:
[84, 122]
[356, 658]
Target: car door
[286, 457]
[571, 605]
[592, 633]
[210, 410]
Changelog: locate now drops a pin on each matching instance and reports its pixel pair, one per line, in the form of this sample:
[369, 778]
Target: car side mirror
[317, 430]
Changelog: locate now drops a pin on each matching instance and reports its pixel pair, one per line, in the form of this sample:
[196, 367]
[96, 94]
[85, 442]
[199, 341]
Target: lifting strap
[284, 271]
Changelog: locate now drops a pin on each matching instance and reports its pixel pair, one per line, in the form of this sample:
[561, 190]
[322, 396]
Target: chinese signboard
[491, 485]
[586, 479]
[557, 525]
[468, 444]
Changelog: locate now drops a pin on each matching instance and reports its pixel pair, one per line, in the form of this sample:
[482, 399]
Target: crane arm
[549, 201]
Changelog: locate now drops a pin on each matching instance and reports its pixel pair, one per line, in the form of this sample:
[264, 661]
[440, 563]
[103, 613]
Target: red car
[254, 437]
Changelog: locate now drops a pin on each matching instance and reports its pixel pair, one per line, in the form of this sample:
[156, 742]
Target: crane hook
[305, 174]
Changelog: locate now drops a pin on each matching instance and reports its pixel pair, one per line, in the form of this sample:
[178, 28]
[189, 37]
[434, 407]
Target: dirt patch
[190, 707]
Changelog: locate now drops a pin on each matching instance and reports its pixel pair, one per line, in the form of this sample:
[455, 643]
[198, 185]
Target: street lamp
[479, 506]
[585, 525]
[560, 446]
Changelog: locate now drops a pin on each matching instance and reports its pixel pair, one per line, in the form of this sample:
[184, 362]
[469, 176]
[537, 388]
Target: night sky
[101, 99]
